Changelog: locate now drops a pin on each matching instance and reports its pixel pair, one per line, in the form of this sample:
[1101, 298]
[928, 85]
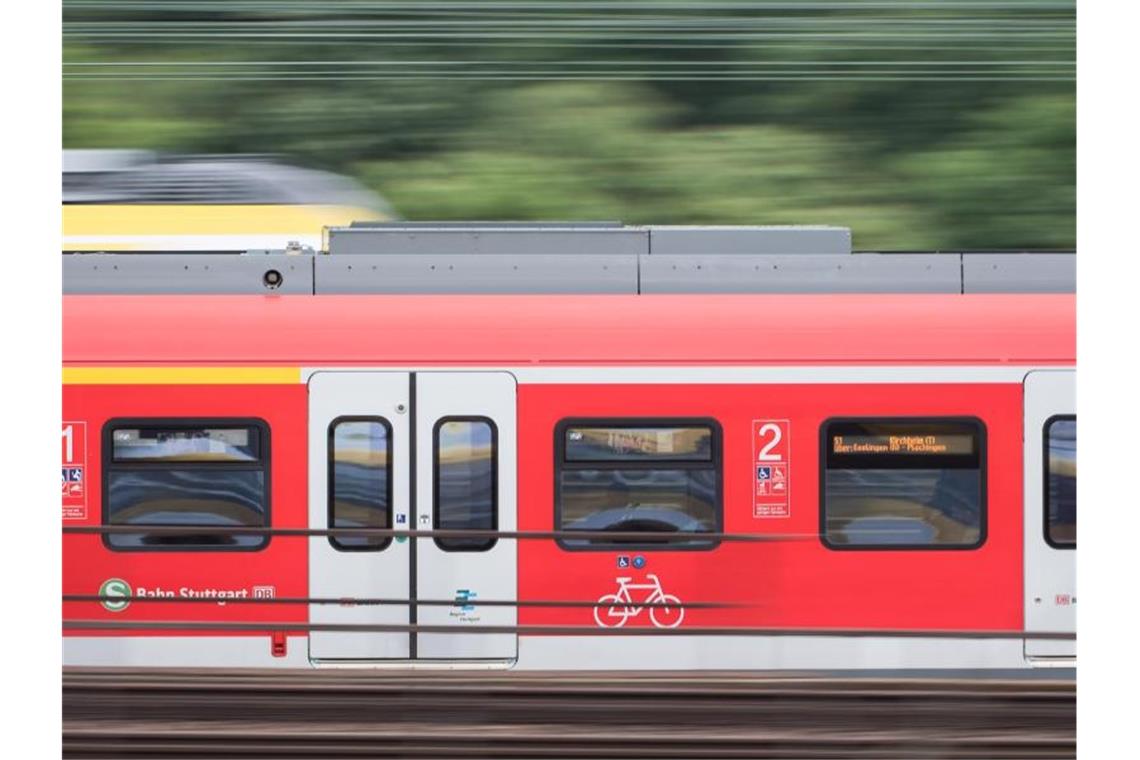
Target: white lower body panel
[766, 653]
[589, 653]
[182, 652]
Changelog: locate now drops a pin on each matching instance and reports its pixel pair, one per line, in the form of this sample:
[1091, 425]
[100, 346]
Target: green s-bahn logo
[115, 587]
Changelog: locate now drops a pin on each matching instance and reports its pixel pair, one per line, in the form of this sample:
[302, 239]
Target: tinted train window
[638, 476]
[360, 480]
[466, 487]
[1061, 482]
[903, 483]
[186, 473]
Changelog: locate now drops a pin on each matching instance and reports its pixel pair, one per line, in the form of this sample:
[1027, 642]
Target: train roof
[569, 257]
[503, 330]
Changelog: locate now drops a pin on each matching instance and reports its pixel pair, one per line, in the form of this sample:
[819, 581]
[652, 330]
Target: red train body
[974, 582]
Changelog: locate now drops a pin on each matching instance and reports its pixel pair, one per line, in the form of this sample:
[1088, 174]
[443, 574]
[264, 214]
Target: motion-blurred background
[920, 125]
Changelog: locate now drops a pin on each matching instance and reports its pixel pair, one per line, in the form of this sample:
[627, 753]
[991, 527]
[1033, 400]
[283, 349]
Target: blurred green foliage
[912, 162]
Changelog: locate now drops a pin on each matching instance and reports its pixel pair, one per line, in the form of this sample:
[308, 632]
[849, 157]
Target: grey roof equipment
[597, 257]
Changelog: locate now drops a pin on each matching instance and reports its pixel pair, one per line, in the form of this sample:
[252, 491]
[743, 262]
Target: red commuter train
[630, 481]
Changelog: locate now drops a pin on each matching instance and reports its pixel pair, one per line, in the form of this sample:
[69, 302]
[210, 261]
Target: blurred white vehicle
[125, 200]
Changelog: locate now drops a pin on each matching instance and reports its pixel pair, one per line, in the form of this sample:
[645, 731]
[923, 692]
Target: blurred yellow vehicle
[125, 200]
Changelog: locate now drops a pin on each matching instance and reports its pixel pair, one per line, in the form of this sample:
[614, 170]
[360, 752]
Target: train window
[360, 480]
[186, 473]
[466, 480]
[1061, 482]
[903, 483]
[638, 476]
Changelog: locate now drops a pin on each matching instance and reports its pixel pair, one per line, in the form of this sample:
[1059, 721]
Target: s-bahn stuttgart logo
[120, 593]
[631, 599]
[118, 588]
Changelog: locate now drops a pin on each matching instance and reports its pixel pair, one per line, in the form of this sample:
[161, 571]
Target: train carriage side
[881, 482]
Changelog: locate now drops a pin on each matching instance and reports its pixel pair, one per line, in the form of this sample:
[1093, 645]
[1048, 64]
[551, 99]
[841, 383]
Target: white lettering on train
[188, 592]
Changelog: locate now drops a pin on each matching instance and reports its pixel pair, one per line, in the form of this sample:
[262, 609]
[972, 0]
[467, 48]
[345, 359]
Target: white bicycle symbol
[621, 606]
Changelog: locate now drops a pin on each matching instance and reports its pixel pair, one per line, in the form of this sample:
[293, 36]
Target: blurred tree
[919, 125]
[1010, 181]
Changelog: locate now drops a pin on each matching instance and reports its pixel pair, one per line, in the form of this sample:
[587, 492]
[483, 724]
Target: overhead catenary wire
[526, 40]
[576, 69]
[1002, 40]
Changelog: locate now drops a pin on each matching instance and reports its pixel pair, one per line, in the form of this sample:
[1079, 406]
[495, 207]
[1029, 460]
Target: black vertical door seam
[413, 516]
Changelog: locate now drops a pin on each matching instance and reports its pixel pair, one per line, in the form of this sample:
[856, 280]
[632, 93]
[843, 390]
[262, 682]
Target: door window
[1061, 482]
[360, 480]
[466, 487]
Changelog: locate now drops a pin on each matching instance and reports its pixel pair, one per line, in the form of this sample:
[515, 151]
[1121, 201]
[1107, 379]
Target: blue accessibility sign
[623, 560]
[763, 473]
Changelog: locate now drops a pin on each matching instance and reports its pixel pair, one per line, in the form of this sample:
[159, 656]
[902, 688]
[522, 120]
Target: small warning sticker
[75, 472]
[771, 461]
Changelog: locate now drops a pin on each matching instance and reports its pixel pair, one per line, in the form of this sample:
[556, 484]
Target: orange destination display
[903, 444]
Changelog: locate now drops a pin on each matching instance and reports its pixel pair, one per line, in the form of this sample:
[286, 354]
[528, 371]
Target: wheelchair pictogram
[614, 610]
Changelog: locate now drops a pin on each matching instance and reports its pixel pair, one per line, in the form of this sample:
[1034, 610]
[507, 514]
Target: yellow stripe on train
[88, 227]
[131, 219]
[181, 375]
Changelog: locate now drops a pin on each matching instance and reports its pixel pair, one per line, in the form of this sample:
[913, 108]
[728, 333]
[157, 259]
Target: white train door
[465, 480]
[427, 451]
[1050, 514]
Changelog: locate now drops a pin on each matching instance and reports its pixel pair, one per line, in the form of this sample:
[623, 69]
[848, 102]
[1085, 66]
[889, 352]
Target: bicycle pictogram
[614, 610]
